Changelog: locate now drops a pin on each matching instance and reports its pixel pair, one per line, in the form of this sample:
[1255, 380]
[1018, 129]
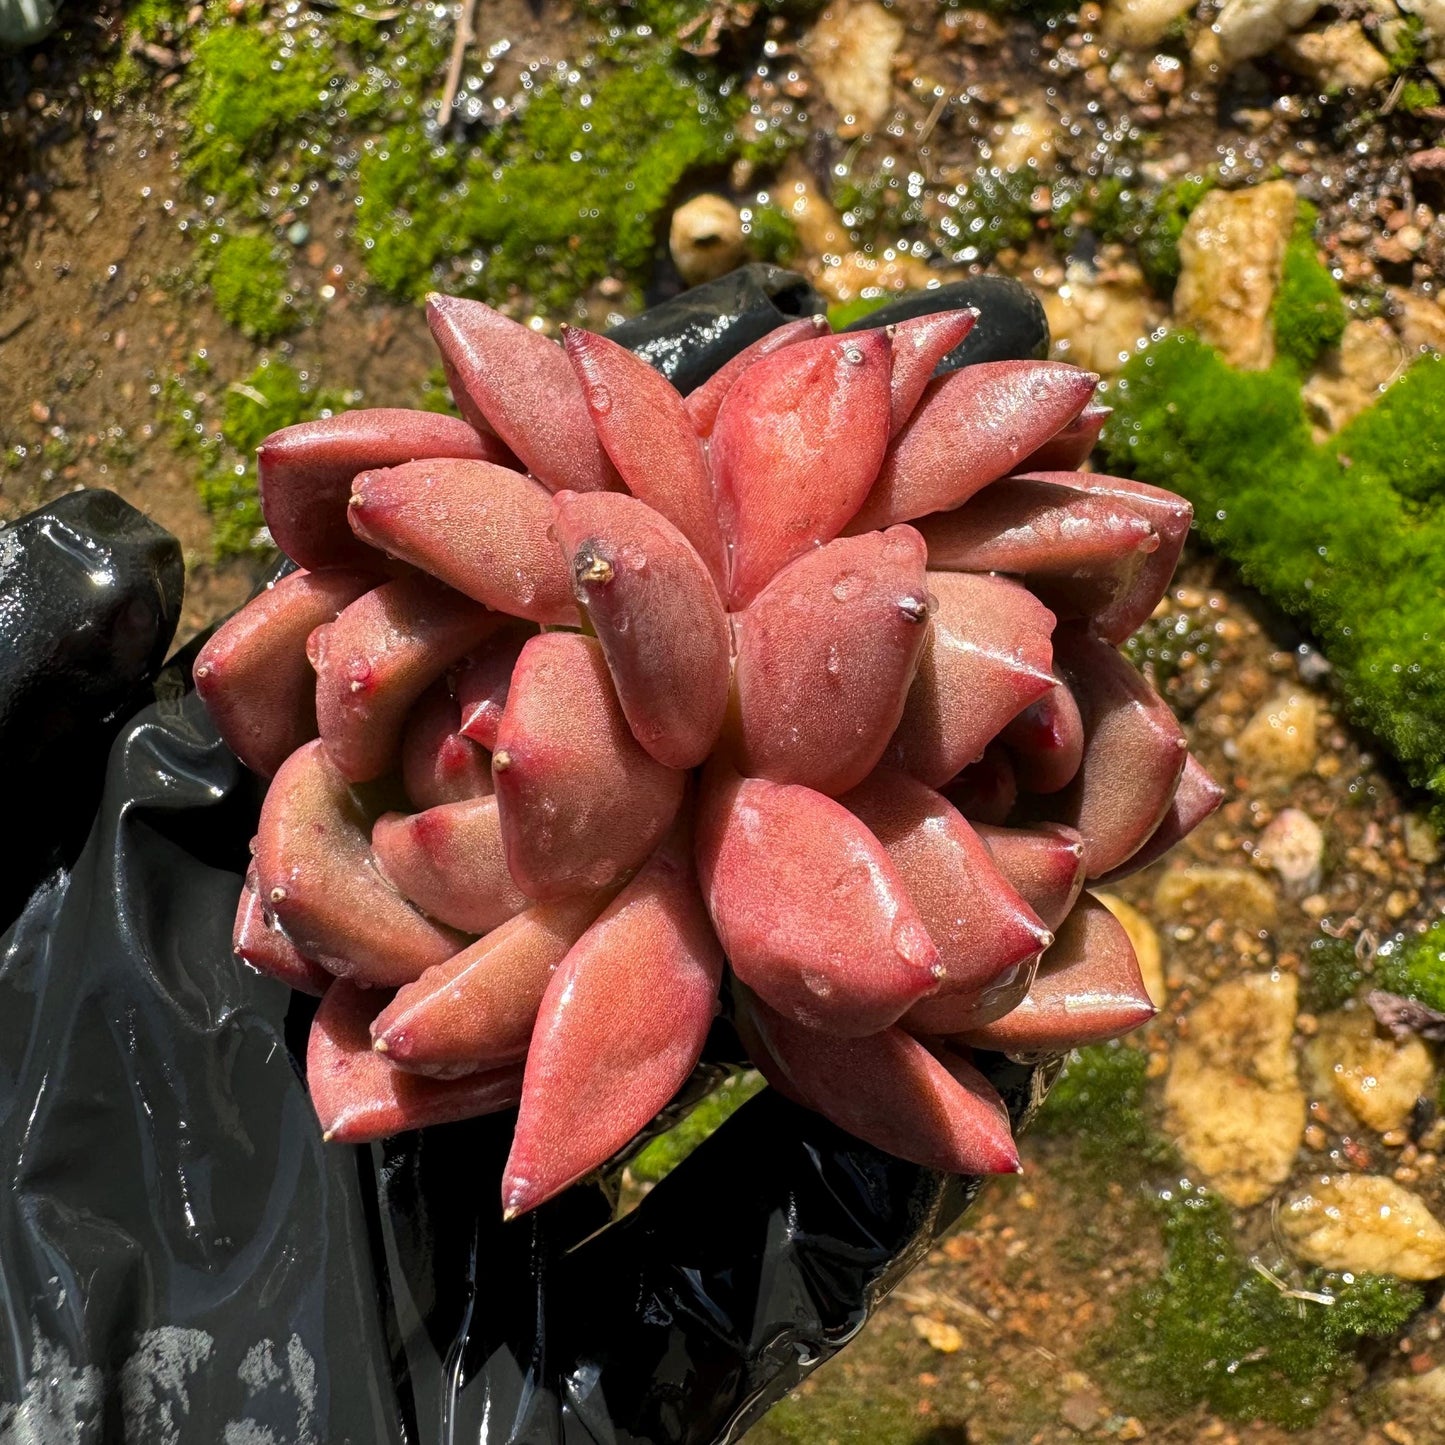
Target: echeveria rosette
[810, 677]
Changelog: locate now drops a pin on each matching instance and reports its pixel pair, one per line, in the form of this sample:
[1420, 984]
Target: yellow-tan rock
[1145, 938]
[1231, 255]
[850, 51]
[706, 238]
[1339, 57]
[1233, 1100]
[1138, 24]
[1200, 893]
[1280, 742]
[1350, 378]
[1364, 1224]
[1375, 1078]
[1099, 324]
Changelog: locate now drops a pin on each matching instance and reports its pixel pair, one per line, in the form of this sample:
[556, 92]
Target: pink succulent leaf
[304, 474]
[797, 444]
[449, 862]
[813, 914]
[1088, 989]
[703, 402]
[316, 876]
[514, 381]
[1045, 863]
[258, 942]
[482, 679]
[438, 763]
[1046, 742]
[1134, 753]
[477, 1010]
[1070, 446]
[477, 527]
[919, 344]
[254, 675]
[1170, 516]
[378, 657]
[357, 1094]
[887, 1089]
[1196, 797]
[582, 803]
[971, 428]
[645, 428]
[658, 616]
[620, 1029]
[987, 657]
[826, 654]
[980, 924]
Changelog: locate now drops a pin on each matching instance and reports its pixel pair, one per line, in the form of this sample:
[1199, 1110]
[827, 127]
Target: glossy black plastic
[90, 594]
[182, 1259]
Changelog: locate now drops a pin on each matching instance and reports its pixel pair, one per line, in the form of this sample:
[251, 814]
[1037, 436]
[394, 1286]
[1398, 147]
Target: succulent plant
[601, 695]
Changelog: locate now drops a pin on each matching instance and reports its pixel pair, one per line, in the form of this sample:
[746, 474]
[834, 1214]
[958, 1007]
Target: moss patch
[569, 192]
[1414, 967]
[1309, 313]
[663, 1154]
[1098, 1105]
[1213, 1330]
[220, 429]
[1324, 531]
[248, 285]
[1332, 973]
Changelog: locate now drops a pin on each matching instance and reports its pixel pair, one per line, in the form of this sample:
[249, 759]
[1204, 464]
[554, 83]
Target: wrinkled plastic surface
[90, 594]
[181, 1258]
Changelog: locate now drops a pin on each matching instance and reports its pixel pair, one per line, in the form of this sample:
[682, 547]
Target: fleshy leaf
[482, 679]
[647, 432]
[477, 1009]
[358, 1096]
[971, 428]
[481, 529]
[254, 675]
[515, 382]
[304, 474]
[620, 1029]
[703, 402]
[1046, 742]
[933, 1109]
[811, 911]
[658, 616]
[987, 657]
[582, 803]
[797, 444]
[1196, 797]
[438, 764]
[378, 657]
[315, 874]
[449, 861]
[825, 657]
[1088, 989]
[919, 344]
[258, 942]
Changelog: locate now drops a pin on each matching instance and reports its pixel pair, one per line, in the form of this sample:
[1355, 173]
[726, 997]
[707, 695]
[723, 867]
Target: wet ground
[106, 336]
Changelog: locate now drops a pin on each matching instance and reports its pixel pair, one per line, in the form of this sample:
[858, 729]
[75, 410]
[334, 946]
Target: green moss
[570, 191]
[1393, 438]
[248, 285]
[1161, 228]
[221, 434]
[1320, 530]
[1099, 1105]
[1332, 974]
[1414, 967]
[995, 211]
[246, 96]
[771, 234]
[1213, 1330]
[1418, 95]
[1161, 645]
[663, 1154]
[842, 314]
[1309, 313]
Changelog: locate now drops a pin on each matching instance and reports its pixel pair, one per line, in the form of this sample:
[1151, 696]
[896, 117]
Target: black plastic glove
[183, 1259]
